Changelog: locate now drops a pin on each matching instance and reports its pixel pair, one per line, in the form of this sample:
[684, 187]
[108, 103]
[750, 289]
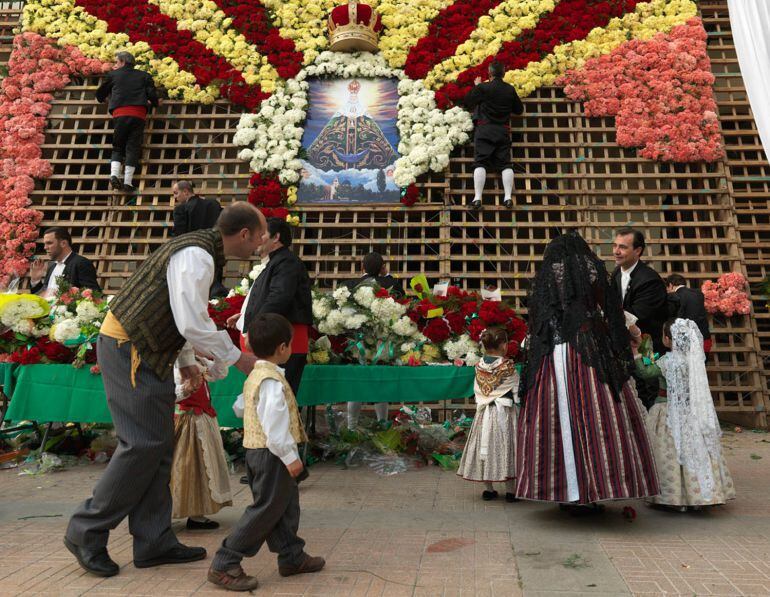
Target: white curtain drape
[750, 22]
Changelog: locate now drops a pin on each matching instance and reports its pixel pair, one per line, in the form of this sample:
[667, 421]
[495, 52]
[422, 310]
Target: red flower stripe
[251, 19]
[448, 30]
[569, 21]
[144, 22]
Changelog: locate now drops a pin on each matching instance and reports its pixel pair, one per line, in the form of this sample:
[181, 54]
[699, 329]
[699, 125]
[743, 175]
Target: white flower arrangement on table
[21, 313]
[272, 136]
[376, 323]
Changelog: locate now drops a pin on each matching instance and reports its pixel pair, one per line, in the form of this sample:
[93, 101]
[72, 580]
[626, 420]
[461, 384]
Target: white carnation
[364, 295]
[341, 295]
[66, 329]
[87, 312]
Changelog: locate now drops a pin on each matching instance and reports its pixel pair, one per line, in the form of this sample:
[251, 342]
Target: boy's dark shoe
[234, 579]
[309, 564]
[115, 183]
[489, 495]
[202, 525]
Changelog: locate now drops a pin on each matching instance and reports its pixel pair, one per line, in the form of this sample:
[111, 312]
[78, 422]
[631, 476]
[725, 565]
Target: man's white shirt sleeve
[189, 276]
[273, 414]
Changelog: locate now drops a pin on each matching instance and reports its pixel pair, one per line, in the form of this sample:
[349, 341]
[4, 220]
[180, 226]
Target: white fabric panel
[750, 22]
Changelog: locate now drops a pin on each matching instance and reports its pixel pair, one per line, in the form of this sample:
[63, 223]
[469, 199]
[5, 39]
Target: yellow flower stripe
[648, 19]
[213, 28]
[503, 23]
[405, 22]
[303, 22]
[70, 25]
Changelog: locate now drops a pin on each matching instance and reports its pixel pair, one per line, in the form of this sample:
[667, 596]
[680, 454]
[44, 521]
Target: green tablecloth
[46, 393]
[6, 377]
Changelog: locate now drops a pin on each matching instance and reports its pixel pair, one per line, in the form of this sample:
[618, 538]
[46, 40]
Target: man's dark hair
[667, 327]
[60, 234]
[126, 57]
[373, 263]
[496, 69]
[638, 237]
[185, 185]
[675, 280]
[238, 216]
[267, 331]
[281, 228]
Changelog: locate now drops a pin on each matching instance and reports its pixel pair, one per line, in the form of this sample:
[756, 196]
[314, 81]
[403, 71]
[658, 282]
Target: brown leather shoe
[309, 564]
[234, 579]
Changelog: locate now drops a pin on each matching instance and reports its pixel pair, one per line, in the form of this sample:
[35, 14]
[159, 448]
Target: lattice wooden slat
[700, 220]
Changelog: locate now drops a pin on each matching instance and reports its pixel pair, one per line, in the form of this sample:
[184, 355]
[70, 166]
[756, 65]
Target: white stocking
[479, 178]
[508, 183]
[354, 410]
[129, 175]
[115, 168]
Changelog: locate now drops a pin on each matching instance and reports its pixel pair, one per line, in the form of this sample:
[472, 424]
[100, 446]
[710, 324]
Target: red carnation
[456, 321]
[54, 351]
[475, 328]
[382, 293]
[411, 195]
[493, 312]
[437, 330]
[25, 356]
[468, 309]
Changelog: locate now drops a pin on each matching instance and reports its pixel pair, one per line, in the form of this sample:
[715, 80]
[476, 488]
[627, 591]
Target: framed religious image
[350, 142]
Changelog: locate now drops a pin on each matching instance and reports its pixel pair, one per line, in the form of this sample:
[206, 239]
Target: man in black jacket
[76, 269]
[283, 287]
[688, 303]
[493, 103]
[131, 93]
[376, 272]
[191, 211]
[643, 294]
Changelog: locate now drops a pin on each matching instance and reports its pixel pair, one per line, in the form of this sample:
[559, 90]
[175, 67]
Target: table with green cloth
[46, 393]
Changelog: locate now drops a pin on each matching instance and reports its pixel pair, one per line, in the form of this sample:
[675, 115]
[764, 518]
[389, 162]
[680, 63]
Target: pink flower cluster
[659, 91]
[727, 295]
[36, 69]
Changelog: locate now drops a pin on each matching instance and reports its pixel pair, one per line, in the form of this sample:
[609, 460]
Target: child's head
[495, 341]
[667, 333]
[269, 337]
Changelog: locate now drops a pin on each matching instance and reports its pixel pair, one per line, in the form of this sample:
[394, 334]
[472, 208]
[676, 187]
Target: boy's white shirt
[273, 415]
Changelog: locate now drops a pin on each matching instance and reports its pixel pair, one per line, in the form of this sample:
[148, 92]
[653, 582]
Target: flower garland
[272, 135]
[447, 31]
[659, 91]
[303, 22]
[251, 18]
[37, 68]
[213, 28]
[534, 61]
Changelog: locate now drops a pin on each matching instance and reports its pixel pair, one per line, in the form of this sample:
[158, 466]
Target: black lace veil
[571, 301]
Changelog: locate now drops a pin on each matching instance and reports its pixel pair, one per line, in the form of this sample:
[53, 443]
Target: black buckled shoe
[95, 561]
[179, 554]
[508, 203]
[489, 495]
[115, 183]
[476, 204]
[129, 190]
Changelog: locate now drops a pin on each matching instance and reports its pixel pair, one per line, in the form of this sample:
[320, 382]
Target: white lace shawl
[691, 415]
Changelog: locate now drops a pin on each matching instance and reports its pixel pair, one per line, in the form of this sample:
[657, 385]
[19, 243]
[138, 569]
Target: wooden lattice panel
[700, 220]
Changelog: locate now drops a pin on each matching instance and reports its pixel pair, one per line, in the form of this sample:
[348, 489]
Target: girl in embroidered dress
[489, 455]
[200, 479]
[682, 424]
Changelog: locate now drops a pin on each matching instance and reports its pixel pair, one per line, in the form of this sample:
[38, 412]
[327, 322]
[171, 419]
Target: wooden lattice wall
[700, 220]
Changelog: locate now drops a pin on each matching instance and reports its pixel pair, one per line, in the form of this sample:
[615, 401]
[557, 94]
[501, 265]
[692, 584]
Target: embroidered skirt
[677, 486]
[200, 480]
[499, 464]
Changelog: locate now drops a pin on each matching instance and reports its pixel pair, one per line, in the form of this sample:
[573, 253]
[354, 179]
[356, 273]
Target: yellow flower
[430, 353]
[319, 356]
[405, 22]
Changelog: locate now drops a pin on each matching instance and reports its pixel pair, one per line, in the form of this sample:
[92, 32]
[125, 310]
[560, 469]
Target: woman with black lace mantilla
[581, 436]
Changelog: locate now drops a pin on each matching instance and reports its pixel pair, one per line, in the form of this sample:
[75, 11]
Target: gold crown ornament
[354, 28]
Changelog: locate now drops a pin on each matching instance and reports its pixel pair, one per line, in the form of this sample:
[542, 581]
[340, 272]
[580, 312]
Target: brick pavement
[423, 533]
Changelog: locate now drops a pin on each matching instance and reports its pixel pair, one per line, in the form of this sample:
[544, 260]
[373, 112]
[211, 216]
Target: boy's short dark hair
[373, 263]
[280, 227]
[675, 280]
[267, 331]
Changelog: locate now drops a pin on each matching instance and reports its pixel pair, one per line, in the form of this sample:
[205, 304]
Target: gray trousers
[136, 481]
[273, 517]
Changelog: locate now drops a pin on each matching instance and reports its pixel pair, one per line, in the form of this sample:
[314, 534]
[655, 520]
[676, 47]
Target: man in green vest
[159, 317]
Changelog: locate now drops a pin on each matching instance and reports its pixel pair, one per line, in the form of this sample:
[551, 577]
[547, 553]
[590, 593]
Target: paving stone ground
[423, 533]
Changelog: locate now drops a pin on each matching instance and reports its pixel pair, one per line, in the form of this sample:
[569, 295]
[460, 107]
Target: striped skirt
[609, 456]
